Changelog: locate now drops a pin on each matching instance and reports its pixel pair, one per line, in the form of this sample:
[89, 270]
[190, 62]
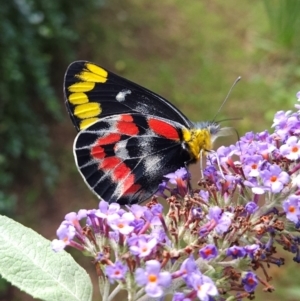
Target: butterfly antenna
[221, 106]
[229, 119]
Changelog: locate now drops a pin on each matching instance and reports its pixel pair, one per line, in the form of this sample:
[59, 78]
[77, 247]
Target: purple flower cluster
[144, 246]
[213, 240]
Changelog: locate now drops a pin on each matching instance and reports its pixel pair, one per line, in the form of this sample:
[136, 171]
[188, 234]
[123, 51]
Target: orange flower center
[250, 280]
[292, 209]
[152, 278]
[144, 249]
[208, 252]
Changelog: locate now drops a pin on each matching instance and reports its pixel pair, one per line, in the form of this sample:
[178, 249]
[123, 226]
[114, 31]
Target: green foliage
[28, 262]
[37, 42]
[283, 16]
[284, 21]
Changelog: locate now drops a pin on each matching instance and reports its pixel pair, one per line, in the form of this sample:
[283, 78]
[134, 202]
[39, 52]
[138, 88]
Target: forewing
[92, 92]
[123, 158]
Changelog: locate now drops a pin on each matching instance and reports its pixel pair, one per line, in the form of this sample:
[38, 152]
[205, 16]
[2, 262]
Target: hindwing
[123, 157]
[92, 92]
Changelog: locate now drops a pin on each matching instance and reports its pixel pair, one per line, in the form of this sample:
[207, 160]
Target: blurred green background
[188, 51]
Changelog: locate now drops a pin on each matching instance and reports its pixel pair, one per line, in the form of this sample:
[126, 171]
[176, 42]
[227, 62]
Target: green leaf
[28, 262]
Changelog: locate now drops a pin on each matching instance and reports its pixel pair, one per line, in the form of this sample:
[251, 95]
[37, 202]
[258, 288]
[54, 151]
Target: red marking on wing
[129, 186]
[119, 172]
[125, 117]
[119, 169]
[109, 139]
[126, 126]
[163, 129]
[110, 163]
[97, 152]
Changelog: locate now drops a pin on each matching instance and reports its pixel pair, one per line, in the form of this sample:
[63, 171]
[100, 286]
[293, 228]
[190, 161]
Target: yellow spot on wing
[81, 87]
[87, 76]
[197, 140]
[96, 69]
[87, 110]
[93, 73]
[87, 122]
[78, 98]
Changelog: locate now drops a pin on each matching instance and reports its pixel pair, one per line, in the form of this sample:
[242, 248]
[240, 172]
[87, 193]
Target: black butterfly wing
[92, 92]
[123, 158]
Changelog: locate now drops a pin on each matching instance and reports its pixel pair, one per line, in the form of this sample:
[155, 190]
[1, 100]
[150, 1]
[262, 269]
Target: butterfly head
[201, 138]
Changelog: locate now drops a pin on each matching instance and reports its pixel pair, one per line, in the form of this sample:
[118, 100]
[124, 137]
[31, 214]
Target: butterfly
[128, 137]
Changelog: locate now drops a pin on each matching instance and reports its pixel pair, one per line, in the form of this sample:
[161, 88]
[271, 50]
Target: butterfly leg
[189, 185]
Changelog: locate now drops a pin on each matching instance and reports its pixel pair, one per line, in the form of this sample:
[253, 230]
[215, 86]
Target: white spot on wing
[121, 150]
[151, 164]
[121, 95]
